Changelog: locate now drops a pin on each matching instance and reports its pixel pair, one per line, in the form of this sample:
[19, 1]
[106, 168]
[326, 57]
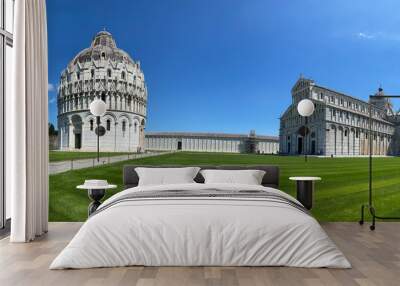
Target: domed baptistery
[105, 72]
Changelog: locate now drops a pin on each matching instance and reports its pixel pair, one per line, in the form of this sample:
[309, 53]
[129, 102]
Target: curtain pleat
[28, 157]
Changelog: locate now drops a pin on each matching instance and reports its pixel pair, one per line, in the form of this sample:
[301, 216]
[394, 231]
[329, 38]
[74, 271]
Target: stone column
[60, 138]
[129, 136]
[66, 103]
[83, 133]
[141, 138]
[70, 136]
[116, 101]
[386, 145]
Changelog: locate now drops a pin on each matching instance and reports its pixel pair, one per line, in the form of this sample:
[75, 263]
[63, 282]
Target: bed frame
[270, 179]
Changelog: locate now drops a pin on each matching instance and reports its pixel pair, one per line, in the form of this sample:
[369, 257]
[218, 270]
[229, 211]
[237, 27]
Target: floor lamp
[370, 205]
[98, 108]
[305, 108]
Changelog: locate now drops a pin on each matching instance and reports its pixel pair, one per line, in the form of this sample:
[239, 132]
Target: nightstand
[305, 190]
[96, 190]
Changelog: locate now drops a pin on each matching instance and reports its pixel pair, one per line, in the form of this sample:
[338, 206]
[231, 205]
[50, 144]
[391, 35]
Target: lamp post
[370, 205]
[305, 108]
[98, 108]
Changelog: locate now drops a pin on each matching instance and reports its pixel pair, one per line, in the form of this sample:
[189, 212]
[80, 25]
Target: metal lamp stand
[98, 138]
[305, 138]
[370, 205]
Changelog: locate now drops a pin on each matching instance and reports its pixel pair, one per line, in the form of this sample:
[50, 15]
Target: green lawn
[338, 196]
[55, 156]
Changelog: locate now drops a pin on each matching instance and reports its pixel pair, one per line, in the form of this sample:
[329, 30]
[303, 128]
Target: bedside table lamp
[305, 108]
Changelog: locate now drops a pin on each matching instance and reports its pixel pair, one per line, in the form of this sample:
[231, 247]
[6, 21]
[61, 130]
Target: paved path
[64, 166]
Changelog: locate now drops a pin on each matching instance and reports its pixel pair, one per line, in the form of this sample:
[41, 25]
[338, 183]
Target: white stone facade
[102, 71]
[339, 125]
[212, 142]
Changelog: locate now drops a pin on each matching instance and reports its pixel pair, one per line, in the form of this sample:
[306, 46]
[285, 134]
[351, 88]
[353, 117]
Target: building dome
[102, 71]
[103, 44]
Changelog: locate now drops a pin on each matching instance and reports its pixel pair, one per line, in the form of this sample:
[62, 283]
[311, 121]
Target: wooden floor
[375, 257]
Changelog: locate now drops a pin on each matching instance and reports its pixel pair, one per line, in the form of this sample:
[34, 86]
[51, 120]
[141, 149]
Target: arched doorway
[313, 144]
[77, 131]
[299, 145]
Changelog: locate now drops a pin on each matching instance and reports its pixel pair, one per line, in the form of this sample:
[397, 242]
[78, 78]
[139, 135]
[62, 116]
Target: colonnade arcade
[124, 132]
[342, 140]
[113, 100]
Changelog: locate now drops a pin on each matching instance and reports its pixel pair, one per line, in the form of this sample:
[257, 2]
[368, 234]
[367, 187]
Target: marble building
[339, 125]
[212, 142]
[109, 73]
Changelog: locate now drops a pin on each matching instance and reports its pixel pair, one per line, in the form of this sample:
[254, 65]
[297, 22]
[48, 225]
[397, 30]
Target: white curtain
[27, 124]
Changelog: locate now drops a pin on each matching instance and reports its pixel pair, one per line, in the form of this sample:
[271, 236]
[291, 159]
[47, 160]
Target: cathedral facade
[108, 73]
[339, 124]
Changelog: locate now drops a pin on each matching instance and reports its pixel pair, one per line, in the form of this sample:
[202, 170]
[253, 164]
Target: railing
[64, 166]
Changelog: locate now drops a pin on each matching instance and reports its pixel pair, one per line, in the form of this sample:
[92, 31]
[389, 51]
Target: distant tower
[390, 116]
[252, 142]
[382, 103]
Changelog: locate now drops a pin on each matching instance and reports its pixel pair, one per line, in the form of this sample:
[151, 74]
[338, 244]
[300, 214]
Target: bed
[201, 224]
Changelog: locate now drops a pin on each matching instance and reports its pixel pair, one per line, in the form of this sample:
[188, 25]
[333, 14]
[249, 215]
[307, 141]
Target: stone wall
[53, 142]
[209, 143]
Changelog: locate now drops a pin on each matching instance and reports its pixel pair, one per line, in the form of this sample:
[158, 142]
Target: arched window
[103, 55]
[92, 73]
[123, 126]
[345, 133]
[91, 124]
[109, 72]
[135, 127]
[123, 75]
[78, 75]
[108, 124]
[103, 97]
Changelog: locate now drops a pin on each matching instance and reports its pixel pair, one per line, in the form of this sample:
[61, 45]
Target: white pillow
[248, 177]
[166, 176]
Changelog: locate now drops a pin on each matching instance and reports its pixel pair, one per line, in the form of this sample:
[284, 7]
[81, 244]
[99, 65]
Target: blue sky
[228, 65]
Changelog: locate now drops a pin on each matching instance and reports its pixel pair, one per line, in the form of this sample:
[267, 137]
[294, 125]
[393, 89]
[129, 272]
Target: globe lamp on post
[305, 108]
[98, 108]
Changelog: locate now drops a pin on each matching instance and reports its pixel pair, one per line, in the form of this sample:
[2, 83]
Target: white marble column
[70, 136]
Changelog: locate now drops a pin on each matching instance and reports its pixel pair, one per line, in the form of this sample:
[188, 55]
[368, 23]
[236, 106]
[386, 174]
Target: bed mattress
[201, 225]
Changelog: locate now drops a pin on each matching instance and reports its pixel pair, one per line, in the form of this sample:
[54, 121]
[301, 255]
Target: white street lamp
[305, 108]
[98, 108]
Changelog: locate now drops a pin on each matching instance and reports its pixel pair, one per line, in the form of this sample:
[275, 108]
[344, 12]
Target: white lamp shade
[305, 107]
[98, 107]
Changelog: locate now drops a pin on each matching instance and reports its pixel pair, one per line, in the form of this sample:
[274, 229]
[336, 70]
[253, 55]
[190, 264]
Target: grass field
[338, 196]
[55, 156]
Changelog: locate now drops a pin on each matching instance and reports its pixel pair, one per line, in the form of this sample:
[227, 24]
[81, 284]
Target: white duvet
[200, 231]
